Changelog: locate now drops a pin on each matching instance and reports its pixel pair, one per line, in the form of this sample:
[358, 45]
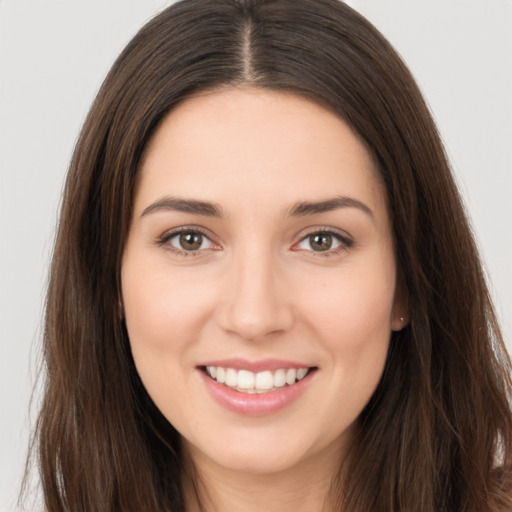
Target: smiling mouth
[249, 382]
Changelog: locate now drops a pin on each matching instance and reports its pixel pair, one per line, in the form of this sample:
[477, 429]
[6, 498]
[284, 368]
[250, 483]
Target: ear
[400, 315]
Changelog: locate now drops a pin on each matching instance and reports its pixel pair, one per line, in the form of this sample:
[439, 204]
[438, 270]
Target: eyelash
[344, 241]
[166, 237]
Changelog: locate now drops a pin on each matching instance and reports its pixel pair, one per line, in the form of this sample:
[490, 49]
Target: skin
[257, 288]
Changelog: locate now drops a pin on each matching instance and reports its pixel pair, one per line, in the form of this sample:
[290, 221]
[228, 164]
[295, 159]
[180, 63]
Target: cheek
[352, 325]
[351, 317]
[352, 308]
[163, 319]
[163, 309]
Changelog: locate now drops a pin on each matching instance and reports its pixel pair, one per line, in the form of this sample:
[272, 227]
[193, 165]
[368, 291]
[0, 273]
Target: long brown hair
[437, 434]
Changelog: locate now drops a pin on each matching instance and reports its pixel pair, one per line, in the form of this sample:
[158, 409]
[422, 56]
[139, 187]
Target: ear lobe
[400, 317]
[398, 323]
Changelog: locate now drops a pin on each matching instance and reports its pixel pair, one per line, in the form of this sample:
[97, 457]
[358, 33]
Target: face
[258, 278]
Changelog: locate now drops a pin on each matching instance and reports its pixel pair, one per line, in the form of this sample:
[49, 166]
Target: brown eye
[186, 241]
[320, 241]
[190, 241]
[329, 242]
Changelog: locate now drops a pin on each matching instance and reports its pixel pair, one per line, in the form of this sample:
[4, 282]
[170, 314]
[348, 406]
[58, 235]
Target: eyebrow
[209, 209]
[184, 205]
[310, 208]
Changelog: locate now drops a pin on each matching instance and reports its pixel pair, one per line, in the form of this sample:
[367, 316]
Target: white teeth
[261, 382]
[231, 378]
[279, 378]
[301, 373]
[291, 375]
[264, 380]
[246, 380]
[221, 375]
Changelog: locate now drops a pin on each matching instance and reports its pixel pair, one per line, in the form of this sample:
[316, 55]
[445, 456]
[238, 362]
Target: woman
[264, 292]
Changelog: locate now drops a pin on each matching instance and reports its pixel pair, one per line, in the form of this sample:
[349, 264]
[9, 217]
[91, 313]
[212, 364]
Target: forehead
[256, 143]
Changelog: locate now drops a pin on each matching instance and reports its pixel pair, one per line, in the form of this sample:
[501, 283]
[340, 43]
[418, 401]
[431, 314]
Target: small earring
[402, 319]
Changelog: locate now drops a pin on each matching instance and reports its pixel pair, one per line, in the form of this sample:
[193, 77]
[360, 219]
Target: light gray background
[54, 55]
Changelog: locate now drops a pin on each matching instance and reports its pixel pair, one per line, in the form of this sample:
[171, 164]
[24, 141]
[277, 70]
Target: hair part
[437, 434]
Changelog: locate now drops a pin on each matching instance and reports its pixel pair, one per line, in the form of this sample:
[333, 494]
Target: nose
[256, 302]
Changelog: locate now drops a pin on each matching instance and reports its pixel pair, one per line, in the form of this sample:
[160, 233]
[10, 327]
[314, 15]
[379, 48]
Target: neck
[302, 488]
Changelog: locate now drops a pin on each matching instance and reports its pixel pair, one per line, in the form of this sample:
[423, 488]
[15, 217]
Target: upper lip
[255, 366]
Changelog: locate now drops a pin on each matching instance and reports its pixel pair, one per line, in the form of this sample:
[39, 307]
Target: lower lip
[255, 404]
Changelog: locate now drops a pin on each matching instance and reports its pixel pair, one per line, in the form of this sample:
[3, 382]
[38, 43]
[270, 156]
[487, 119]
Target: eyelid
[342, 237]
[346, 241]
[163, 240]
